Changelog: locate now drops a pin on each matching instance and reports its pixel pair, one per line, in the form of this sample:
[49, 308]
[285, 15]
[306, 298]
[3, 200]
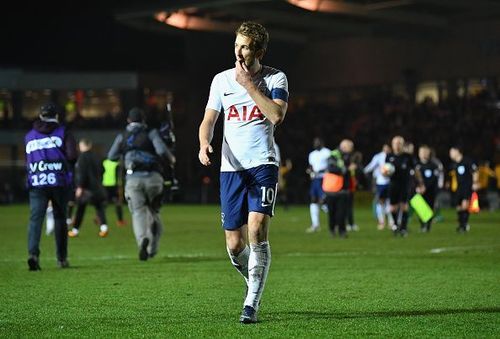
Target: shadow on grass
[384, 314]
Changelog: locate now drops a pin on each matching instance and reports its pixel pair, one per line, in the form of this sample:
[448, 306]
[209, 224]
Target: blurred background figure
[381, 187]
[111, 181]
[465, 173]
[352, 161]
[400, 184]
[318, 164]
[336, 187]
[89, 189]
[430, 174]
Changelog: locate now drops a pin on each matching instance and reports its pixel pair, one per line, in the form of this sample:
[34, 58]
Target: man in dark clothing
[89, 189]
[352, 161]
[400, 184]
[50, 155]
[337, 200]
[467, 177]
[430, 172]
[144, 154]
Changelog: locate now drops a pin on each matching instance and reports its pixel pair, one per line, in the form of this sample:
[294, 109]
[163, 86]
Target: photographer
[144, 156]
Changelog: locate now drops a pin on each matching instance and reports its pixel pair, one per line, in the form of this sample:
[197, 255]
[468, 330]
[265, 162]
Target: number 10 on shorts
[268, 196]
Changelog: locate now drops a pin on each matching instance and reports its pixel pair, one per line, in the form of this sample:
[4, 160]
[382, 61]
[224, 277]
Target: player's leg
[71, 206]
[262, 192]
[49, 219]
[238, 250]
[403, 230]
[80, 212]
[259, 259]
[315, 193]
[38, 206]
[430, 198]
[394, 199]
[463, 213]
[234, 217]
[380, 206]
[118, 205]
[99, 205]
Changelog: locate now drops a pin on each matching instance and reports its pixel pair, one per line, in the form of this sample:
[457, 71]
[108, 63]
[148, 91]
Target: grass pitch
[440, 284]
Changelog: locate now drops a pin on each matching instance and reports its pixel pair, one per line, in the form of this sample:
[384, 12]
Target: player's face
[397, 144]
[317, 143]
[244, 51]
[424, 153]
[454, 154]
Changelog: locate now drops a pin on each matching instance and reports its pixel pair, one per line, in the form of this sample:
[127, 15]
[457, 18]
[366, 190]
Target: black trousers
[337, 211]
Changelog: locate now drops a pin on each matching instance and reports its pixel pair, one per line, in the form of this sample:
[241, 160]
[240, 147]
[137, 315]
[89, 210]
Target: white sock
[50, 221]
[240, 261]
[258, 268]
[390, 219]
[379, 211]
[75, 230]
[314, 210]
[104, 228]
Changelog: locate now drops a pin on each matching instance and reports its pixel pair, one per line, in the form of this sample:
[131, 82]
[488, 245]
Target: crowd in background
[369, 120]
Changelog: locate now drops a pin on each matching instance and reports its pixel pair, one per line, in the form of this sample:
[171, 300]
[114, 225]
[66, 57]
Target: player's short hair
[458, 148]
[86, 141]
[255, 31]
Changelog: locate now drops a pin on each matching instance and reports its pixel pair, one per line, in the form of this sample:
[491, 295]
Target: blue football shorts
[251, 190]
[316, 189]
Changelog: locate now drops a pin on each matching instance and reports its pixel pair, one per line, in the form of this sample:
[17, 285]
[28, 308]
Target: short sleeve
[280, 87]
[214, 99]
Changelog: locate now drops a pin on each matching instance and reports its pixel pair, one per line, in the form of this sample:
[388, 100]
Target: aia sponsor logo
[244, 114]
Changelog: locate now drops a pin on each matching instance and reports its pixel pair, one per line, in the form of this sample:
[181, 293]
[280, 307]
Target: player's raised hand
[243, 76]
[204, 156]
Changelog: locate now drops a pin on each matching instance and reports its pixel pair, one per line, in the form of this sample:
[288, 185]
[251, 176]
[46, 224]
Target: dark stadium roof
[299, 20]
[120, 35]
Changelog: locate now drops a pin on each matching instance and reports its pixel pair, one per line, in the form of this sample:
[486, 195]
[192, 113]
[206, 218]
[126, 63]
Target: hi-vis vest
[332, 183]
[109, 177]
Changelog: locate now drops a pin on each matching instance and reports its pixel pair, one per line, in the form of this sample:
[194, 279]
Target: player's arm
[273, 109]
[475, 177]
[371, 166]
[420, 181]
[205, 135]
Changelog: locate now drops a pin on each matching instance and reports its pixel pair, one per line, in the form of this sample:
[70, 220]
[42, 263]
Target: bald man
[353, 161]
[399, 186]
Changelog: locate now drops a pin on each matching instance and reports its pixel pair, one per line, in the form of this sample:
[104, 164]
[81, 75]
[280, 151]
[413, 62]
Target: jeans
[39, 199]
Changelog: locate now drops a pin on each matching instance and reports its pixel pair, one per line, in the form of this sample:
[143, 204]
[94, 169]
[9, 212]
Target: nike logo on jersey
[228, 93]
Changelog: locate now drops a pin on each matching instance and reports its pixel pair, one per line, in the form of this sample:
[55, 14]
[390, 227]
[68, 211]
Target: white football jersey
[248, 134]
[318, 160]
[375, 166]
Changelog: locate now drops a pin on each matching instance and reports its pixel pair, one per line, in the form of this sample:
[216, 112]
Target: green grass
[371, 284]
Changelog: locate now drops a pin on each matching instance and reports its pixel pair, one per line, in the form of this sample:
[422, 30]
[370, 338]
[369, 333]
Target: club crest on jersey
[243, 114]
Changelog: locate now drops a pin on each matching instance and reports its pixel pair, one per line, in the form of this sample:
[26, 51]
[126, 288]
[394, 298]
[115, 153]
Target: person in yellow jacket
[110, 181]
